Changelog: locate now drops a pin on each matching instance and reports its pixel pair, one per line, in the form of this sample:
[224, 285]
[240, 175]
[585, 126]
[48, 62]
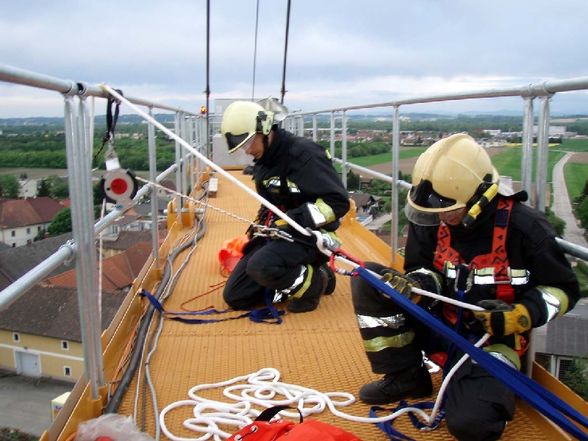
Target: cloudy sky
[340, 52]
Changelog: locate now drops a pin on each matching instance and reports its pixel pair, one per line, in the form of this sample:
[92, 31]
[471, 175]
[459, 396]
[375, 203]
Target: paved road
[562, 206]
[25, 403]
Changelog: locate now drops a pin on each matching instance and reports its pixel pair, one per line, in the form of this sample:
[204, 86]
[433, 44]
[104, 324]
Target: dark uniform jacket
[530, 245]
[295, 170]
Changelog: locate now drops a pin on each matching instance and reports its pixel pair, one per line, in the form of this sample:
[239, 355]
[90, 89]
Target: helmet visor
[423, 218]
[424, 196]
[237, 141]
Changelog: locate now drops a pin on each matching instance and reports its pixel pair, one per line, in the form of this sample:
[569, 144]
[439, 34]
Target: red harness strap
[497, 258]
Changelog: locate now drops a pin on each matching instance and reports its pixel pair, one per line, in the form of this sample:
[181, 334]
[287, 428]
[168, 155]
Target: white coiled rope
[263, 389]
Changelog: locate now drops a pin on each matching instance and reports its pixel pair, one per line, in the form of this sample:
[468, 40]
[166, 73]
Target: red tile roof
[118, 272]
[22, 212]
[54, 312]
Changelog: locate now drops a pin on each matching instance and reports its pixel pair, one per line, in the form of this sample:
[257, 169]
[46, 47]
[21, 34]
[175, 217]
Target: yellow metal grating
[320, 350]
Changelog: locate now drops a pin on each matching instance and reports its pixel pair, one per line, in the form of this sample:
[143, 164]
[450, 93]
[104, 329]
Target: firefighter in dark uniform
[295, 175]
[471, 239]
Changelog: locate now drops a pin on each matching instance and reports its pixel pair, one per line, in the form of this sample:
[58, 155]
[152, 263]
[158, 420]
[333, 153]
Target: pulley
[117, 186]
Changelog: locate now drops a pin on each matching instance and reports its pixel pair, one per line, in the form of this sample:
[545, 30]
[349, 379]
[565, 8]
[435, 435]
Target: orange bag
[262, 429]
[231, 252]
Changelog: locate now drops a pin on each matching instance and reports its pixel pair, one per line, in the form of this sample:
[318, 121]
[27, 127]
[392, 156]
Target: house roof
[361, 199]
[15, 262]
[53, 312]
[118, 272]
[125, 239]
[22, 212]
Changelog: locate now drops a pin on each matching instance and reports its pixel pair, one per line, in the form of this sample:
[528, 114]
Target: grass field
[405, 153]
[576, 176]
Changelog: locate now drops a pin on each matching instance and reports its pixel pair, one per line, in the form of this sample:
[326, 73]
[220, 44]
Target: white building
[21, 220]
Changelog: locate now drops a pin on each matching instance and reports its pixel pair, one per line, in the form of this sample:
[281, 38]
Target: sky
[340, 52]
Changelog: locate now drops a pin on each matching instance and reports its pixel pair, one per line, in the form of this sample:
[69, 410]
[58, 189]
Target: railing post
[332, 136]
[395, 169]
[344, 148]
[300, 125]
[82, 217]
[192, 162]
[542, 152]
[201, 144]
[314, 128]
[179, 202]
[185, 134]
[527, 153]
[152, 177]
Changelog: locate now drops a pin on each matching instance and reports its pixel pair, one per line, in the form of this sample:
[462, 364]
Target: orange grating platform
[320, 350]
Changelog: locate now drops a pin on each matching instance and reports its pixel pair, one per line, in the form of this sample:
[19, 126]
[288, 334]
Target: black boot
[410, 383]
[329, 279]
[306, 296]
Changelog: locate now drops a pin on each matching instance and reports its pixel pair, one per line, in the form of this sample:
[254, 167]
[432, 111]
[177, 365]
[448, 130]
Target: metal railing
[78, 139]
[192, 130]
[544, 91]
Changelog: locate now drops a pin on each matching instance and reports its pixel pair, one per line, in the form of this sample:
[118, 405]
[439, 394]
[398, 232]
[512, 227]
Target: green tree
[352, 181]
[43, 188]
[61, 223]
[558, 224]
[582, 212]
[57, 187]
[9, 186]
[575, 377]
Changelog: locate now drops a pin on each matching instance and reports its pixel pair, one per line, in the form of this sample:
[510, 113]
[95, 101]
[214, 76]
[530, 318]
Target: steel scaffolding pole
[152, 146]
[82, 218]
[395, 171]
[527, 154]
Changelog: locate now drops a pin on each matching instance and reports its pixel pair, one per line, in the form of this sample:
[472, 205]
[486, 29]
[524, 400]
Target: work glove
[502, 319]
[403, 284]
[326, 240]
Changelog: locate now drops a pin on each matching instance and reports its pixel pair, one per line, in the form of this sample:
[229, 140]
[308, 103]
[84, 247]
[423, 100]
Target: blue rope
[537, 396]
[258, 315]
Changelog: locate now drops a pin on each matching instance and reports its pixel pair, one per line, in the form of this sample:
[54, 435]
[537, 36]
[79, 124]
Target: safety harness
[488, 269]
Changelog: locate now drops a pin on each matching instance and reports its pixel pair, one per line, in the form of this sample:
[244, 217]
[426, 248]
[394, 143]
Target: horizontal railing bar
[531, 90]
[374, 173]
[67, 251]
[13, 291]
[573, 249]
[24, 77]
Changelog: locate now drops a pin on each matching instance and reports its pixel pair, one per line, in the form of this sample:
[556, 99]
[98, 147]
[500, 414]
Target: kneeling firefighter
[294, 174]
[471, 239]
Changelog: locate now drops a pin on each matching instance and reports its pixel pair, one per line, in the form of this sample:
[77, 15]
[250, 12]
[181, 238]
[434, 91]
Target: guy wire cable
[255, 50]
[285, 53]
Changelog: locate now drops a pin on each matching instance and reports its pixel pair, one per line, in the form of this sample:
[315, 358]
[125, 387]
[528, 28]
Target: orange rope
[213, 288]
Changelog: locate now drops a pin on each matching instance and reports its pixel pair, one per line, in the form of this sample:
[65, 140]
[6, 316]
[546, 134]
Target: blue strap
[537, 396]
[394, 434]
[258, 316]
[416, 422]
[386, 426]
[269, 314]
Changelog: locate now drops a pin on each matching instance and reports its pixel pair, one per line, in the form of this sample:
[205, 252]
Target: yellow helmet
[453, 173]
[242, 120]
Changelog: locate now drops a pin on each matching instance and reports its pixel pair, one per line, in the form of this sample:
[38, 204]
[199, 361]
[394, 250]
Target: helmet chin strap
[477, 208]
